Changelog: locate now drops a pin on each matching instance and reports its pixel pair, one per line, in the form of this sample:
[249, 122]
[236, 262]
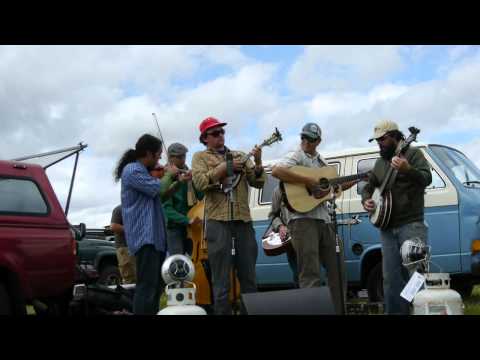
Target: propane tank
[178, 271]
[437, 298]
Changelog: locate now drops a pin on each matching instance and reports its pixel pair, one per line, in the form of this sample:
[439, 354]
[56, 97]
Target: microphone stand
[333, 216]
[231, 199]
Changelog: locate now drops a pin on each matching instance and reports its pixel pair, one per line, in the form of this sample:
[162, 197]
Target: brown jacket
[205, 178]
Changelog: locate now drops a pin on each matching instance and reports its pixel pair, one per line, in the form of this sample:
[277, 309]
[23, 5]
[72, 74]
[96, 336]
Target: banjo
[231, 182]
[382, 196]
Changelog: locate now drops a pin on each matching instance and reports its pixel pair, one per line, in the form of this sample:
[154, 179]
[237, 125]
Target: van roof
[344, 152]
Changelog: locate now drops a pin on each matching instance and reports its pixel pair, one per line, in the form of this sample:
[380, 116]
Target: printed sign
[413, 286]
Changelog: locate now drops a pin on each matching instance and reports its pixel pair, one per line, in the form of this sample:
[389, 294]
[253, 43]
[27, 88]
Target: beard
[387, 152]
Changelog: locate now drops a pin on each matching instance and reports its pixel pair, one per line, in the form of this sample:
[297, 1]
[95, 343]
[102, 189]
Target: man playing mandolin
[209, 171]
[313, 236]
[407, 212]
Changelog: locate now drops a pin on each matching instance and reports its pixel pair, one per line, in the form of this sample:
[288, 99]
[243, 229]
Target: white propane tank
[181, 301]
[437, 298]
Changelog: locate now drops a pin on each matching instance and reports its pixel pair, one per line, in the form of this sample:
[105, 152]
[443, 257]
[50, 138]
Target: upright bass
[196, 233]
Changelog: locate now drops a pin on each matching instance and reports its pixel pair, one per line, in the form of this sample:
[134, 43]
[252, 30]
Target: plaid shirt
[205, 178]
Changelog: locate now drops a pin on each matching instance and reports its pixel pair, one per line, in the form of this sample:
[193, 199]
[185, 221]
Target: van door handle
[354, 220]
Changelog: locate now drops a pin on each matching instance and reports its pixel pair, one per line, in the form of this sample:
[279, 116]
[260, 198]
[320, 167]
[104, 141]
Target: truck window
[21, 196]
[364, 166]
[266, 192]
[462, 167]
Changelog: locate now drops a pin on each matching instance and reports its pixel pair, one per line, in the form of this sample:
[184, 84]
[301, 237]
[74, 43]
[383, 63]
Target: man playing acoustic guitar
[406, 219]
[209, 170]
[313, 236]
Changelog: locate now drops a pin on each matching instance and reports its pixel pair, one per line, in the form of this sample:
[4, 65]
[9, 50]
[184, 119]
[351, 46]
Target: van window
[364, 166]
[336, 164]
[21, 196]
[437, 181]
[266, 192]
[463, 168]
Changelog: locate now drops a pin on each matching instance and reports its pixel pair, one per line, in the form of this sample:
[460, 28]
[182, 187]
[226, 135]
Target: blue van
[452, 214]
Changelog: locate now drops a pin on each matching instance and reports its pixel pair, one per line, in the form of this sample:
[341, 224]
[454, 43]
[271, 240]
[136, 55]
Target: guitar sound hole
[324, 184]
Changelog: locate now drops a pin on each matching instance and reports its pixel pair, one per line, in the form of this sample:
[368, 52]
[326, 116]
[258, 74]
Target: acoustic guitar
[300, 199]
[382, 195]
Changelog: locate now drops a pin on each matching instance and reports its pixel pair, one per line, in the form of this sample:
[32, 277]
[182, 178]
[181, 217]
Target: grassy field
[472, 304]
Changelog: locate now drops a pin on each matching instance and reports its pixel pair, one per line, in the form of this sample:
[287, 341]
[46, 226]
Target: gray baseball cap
[312, 130]
[177, 149]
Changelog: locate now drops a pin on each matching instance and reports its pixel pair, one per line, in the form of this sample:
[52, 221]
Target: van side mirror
[83, 230]
[80, 231]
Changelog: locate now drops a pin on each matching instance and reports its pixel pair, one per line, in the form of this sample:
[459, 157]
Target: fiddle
[158, 171]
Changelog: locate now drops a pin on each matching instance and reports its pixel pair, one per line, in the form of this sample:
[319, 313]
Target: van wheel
[110, 275]
[5, 302]
[375, 283]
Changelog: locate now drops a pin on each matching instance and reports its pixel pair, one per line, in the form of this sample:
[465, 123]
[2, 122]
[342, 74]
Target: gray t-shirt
[301, 158]
[117, 219]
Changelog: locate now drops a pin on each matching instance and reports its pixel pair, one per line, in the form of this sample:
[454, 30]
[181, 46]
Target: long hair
[144, 144]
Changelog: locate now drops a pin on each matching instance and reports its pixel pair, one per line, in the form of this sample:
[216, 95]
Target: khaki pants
[314, 244]
[126, 265]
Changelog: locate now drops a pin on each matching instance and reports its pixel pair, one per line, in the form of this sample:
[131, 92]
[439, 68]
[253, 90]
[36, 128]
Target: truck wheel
[5, 303]
[110, 275]
[375, 283]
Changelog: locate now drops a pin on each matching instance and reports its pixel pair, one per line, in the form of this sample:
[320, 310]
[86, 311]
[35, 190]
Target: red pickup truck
[37, 244]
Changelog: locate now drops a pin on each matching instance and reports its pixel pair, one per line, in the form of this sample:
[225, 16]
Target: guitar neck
[345, 179]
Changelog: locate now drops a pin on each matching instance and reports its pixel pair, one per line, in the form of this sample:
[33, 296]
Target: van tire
[375, 283]
[5, 302]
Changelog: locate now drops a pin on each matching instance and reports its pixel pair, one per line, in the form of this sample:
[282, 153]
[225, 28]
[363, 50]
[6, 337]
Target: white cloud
[338, 67]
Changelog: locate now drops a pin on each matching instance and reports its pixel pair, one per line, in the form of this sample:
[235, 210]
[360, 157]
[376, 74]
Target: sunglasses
[216, 133]
[380, 139]
[309, 139]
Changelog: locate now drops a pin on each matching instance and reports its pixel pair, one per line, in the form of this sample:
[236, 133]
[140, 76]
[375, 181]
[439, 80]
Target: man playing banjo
[407, 212]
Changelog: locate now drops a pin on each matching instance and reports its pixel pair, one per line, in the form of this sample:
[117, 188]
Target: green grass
[472, 303]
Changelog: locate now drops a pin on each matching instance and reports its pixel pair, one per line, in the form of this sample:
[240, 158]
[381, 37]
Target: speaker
[309, 301]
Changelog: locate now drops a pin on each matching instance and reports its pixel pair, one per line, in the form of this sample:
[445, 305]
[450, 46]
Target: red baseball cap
[208, 123]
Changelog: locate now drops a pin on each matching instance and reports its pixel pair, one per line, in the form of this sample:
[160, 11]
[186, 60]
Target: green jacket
[176, 206]
[408, 189]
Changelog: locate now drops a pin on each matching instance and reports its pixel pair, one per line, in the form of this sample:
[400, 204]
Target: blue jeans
[395, 275]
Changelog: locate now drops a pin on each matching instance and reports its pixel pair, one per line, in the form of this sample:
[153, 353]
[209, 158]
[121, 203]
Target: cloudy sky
[53, 97]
